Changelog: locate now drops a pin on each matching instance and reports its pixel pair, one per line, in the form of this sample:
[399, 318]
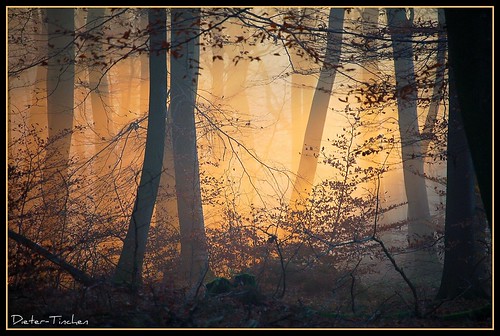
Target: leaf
[126, 34]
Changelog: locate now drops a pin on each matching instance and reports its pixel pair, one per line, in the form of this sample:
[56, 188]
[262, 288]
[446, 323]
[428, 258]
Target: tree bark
[470, 57]
[104, 156]
[319, 108]
[302, 89]
[38, 110]
[129, 269]
[184, 69]
[98, 85]
[460, 273]
[420, 230]
[439, 83]
[60, 106]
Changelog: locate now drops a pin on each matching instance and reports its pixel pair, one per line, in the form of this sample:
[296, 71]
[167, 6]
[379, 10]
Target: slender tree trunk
[101, 107]
[439, 83]
[235, 93]
[60, 77]
[319, 108]
[301, 95]
[38, 110]
[420, 229]
[184, 69]
[436, 169]
[144, 82]
[166, 202]
[166, 205]
[129, 269]
[60, 105]
[369, 76]
[217, 70]
[99, 86]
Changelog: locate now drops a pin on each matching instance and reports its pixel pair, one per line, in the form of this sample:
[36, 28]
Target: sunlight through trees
[319, 157]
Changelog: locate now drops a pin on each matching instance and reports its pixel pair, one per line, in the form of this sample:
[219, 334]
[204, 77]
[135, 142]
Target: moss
[219, 286]
[244, 279]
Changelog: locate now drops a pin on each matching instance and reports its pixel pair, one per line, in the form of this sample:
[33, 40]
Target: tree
[470, 52]
[314, 130]
[461, 272]
[129, 268]
[60, 106]
[166, 202]
[99, 94]
[38, 110]
[302, 90]
[420, 231]
[184, 71]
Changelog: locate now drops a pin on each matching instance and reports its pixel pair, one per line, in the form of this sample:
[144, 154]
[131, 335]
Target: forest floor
[105, 306]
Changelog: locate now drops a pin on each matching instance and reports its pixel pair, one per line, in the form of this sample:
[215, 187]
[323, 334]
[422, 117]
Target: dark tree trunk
[461, 271]
[60, 111]
[470, 57]
[129, 269]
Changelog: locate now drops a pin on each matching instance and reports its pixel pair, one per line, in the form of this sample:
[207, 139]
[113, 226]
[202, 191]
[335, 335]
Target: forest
[249, 167]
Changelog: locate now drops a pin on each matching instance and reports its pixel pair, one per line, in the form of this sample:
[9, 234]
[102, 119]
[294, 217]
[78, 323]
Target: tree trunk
[60, 105]
[129, 269]
[319, 108]
[76, 273]
[166, 204]
[470, 57]
[38, 110]
[301, 94]
[420, 231]
[217, 69]
[99, 90]
[235, 95]
[101, 107]
[439, 83]
[184, 70]
[144, 71]
[460, 272]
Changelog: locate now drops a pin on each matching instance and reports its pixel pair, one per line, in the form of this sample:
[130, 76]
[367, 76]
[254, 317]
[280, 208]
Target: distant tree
[420, 229]
[302, 88]
[99, 89]
[315, 124]
[38, 109]
[60, 106]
